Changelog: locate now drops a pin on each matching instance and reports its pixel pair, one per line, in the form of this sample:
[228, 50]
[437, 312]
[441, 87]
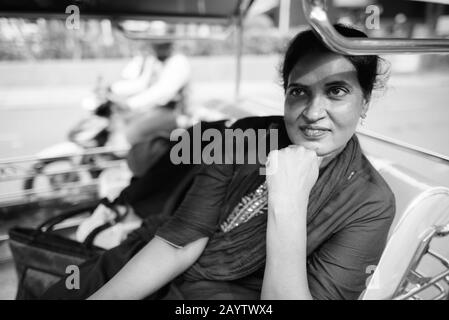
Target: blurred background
[47, 69]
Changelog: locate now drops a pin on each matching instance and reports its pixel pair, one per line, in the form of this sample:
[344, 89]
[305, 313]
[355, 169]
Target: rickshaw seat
[420, 207]
[405, 184]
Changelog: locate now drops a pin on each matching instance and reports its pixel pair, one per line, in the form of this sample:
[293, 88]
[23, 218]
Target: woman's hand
[291, 174]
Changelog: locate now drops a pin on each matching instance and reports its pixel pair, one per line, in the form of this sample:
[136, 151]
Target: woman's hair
[367, 67]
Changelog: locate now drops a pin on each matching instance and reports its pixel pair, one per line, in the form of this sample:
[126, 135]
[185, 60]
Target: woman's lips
[313, 132]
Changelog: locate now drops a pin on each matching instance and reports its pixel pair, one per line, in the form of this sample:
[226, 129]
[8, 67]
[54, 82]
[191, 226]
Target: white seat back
[419, 208]
[406, 186]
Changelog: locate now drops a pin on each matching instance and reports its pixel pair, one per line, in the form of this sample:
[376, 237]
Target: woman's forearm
[286, 263]
[150, 269]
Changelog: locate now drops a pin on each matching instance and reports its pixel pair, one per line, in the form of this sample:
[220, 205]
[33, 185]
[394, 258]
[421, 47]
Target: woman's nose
[315, 109]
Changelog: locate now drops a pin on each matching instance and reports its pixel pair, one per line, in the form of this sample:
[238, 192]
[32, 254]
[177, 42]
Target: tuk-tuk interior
[415, 263]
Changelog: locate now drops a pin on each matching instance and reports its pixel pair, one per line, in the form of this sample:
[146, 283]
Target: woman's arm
[338, 269]
[285, 269]
[291, 174]
[150, 269]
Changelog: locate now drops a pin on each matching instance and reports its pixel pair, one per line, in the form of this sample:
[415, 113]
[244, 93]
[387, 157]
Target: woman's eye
[338, 92]
[296, 92]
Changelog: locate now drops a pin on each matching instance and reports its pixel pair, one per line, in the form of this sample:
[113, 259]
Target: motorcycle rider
[152, 98]
[155, 98]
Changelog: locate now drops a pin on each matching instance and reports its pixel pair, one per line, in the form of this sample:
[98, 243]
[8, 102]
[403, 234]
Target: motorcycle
[93, 145]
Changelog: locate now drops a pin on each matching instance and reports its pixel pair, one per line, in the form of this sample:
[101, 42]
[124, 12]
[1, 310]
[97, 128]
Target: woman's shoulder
[375, 191]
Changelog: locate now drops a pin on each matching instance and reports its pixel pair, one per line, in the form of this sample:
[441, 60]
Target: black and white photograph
[230, 152]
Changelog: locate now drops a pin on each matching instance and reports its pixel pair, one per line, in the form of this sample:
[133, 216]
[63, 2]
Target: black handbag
[42, 256]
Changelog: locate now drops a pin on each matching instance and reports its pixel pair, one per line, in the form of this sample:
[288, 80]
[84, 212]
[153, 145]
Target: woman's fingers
[291, 155]
[291, 171]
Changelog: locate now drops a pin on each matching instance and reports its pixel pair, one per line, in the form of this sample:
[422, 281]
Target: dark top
[345, 237]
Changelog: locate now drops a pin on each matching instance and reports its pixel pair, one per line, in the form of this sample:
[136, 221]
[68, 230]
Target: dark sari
[349, 214]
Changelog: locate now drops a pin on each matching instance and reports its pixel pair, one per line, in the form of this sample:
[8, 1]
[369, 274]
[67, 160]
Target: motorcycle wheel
[45, 179]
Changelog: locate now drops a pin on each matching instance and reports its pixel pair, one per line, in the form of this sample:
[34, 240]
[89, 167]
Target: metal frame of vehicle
[315, 12]
[413, 283]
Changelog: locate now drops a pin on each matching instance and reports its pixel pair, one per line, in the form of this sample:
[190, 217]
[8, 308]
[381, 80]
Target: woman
[311, 230]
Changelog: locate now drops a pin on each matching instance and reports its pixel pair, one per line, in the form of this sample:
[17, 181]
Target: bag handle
[89, 241]
[49, 224]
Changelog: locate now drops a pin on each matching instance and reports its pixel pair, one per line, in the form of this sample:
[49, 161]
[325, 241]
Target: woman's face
[323, 103]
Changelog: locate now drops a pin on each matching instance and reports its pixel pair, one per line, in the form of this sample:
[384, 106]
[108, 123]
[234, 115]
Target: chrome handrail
[142, 35]
[315, 12]
[242, 10]
[79, 168]
[93, 151]
[216, 19]
[403, 292]
[32, 192]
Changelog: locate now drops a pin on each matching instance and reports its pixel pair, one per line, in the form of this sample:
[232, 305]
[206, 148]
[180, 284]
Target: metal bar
[422, 288]
[440, 288]
[212, 19]
[421, 276]
[28, 193]
[442, 296]
[145, 36]
[244, 7]
[404, 145]
[439, 257]
[418, 277]
[433, 1]
[111, 164]
[316, 15]
[93, 151]
[443, 231]
[421, 249]
[284, 16]
[239, 50]
[137, 35]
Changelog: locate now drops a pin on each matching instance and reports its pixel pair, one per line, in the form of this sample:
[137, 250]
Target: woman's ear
[365, 106]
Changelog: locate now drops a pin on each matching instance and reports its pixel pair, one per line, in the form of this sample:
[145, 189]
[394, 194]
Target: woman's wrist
[286, 204]
[287, 223]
